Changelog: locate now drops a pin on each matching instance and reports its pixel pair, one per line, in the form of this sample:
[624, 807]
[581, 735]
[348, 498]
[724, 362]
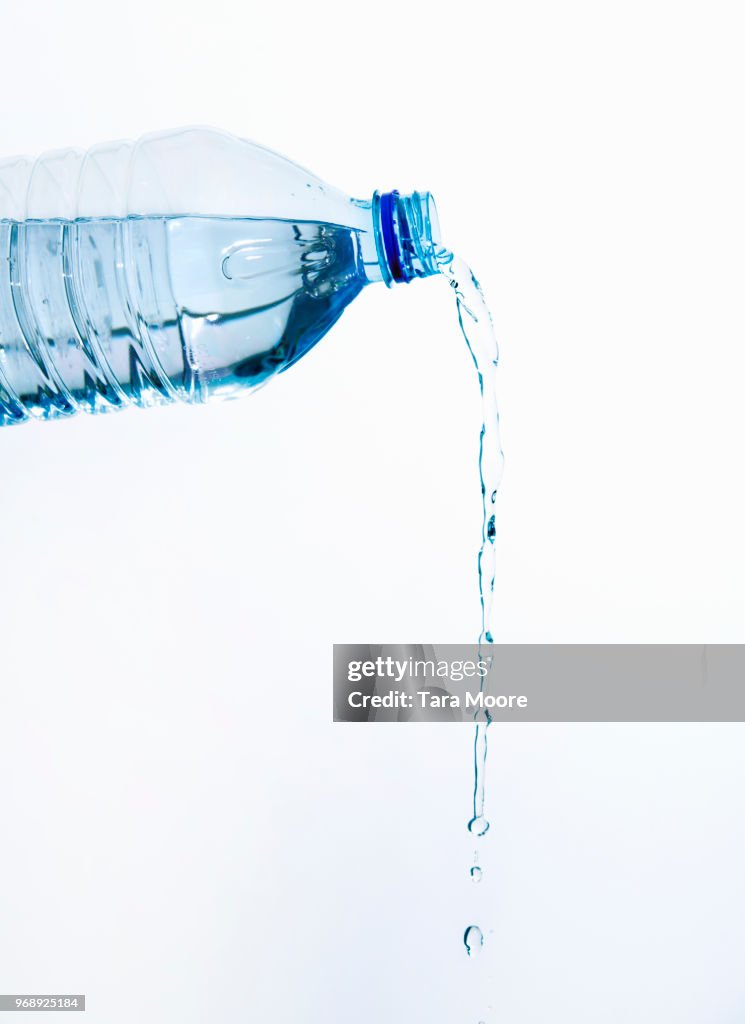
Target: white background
[180, 819]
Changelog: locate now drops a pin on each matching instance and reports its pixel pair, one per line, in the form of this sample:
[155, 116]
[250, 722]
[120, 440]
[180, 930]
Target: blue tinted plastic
[189, 266]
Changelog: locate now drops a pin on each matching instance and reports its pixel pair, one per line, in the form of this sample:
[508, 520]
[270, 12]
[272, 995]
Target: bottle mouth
[407, 235]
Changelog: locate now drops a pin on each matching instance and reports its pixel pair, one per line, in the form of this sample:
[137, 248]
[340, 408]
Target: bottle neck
[407, 235]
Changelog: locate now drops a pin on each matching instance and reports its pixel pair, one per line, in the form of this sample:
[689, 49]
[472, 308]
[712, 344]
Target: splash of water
[478, 330]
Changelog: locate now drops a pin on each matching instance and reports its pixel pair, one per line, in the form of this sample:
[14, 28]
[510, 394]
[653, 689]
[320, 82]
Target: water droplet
[478, 826]
[473, 940]
[493, 497]
[491, 529]
[476, 873]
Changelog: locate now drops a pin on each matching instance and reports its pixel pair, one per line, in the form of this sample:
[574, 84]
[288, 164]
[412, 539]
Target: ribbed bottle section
[81, 315]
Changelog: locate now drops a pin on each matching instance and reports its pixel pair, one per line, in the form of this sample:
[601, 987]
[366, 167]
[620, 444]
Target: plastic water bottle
[189, 266]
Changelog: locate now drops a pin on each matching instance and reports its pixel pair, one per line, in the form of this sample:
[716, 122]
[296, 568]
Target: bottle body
[100, 314]
[188, 266]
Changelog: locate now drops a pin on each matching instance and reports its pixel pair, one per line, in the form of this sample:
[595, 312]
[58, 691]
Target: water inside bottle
[104, 313]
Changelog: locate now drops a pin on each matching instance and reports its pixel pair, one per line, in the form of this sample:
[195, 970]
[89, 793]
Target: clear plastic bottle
[191, 265]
